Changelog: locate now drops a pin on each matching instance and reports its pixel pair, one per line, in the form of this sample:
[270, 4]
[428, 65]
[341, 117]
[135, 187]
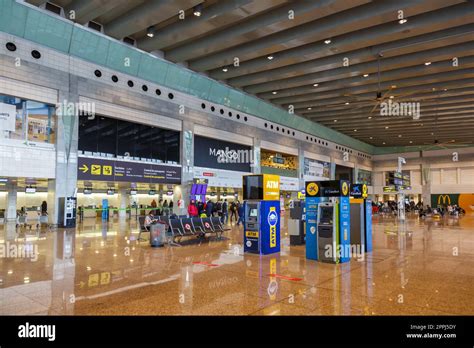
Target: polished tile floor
[419, 268]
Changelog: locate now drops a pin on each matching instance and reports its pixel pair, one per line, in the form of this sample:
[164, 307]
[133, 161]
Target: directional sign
[84, 168]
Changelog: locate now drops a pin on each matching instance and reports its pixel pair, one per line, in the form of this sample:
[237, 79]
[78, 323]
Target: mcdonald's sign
[444, 199]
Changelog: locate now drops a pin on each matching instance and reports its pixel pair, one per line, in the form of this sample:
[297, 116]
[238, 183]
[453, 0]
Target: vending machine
[262, 214]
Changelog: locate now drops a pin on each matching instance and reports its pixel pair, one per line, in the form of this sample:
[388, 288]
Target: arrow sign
[84, 168]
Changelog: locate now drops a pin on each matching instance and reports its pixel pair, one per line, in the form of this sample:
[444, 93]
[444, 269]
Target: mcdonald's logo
[444, 198]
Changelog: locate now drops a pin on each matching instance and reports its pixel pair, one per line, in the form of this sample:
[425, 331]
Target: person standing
[160, 207]
[241, 212]
[209, 208]
[233, 212]
[225, 212]
[192, 209]
[166, 210]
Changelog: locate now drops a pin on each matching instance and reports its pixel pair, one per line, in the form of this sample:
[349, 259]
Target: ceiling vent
[94, 25]
[53, 8]
[129, 41]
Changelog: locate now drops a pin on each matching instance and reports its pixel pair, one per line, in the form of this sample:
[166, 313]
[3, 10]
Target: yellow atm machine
[262, 213]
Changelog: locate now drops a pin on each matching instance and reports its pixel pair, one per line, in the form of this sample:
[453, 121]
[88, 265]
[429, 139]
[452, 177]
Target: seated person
[149, 219]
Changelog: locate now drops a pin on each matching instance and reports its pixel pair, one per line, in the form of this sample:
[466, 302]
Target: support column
[11, 203]
[256, 148]
[66, 148]
[333, 169]
[124, 203]
[300, 168]
[183, 191]
[425, 183]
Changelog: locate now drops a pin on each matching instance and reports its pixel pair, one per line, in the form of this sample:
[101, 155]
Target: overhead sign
[390, 189]
[218, 154]
[114, 170]
[271, 187]
[7, 117]
[314, 169]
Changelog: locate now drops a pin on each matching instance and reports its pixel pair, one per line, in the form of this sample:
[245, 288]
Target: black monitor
[253, 187]
[326, 214]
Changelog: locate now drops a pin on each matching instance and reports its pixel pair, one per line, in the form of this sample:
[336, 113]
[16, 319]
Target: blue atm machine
[262, 214]
[361, 215]
[328, 222]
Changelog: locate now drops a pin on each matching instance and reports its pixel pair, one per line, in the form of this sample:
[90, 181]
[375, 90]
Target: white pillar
[124, 202]
[11, 203]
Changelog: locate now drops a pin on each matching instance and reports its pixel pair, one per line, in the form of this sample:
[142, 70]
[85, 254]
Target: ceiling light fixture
[427, 63]
[270, 57]
[366, 75]
[355, 130]
[347, 103]
[327, 41]
[197, 11]
[315, 84]
[309, 108]
[403, 21]
[399, 135]
[391, 97]
[274, 92]
[225, 69]
[411, 142]
[370, 117]
[383, 143]
[150, 32]
[386, 127]
[371, 137]
[335, 120]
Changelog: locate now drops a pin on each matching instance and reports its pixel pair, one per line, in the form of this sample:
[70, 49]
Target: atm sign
[251, 234]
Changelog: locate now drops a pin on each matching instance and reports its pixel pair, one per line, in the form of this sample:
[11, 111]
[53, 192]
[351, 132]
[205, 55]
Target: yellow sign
[251, 234]
[271, 187]
[84, 168]
[107, 170]
[364, 191]
[312, 189]
[273, 227]
[345, 189]
[444, 198]
[301, 195]
[96, 169]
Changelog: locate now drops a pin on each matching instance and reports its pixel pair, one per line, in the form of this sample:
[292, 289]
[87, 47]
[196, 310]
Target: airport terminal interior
[237, 157]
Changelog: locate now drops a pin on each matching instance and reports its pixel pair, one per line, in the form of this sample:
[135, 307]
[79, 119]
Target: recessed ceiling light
[274, 92]
[391, 97]
[399, 135]
[270, 57]
[445, 89]
[309, 108]
[347, 103]
[394, 86]
[335, 120]
[386, 127]
[433, 89]
[150, 32]
[315, 84]
[411, 142]
[370, 117]
[383, 143]
[355, 130]
[327, 41]
[371, 137]
[403, 21]
[224, 69]
[197, 11]
[427, 63]
[366, 75]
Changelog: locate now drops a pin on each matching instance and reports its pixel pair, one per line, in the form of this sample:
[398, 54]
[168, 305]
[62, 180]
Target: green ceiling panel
[47, 30]
[123, 58]
[153, 69]
[89, 46]
[251, 106]
[199, 86]
[235, 99]
[218, 92]
[178, 78]
[13, 17]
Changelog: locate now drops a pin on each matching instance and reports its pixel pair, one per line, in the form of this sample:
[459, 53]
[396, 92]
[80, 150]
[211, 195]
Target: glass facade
[364, 177]
[33, 121]
[111, 138]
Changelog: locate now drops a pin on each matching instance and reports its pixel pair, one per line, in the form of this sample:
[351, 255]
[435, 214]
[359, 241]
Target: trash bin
[158, 234]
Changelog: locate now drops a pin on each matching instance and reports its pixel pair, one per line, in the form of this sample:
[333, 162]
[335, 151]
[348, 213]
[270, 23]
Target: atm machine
[327, 231]
[67, 212]
[328, 221]
[361, 217]
[262, 214]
